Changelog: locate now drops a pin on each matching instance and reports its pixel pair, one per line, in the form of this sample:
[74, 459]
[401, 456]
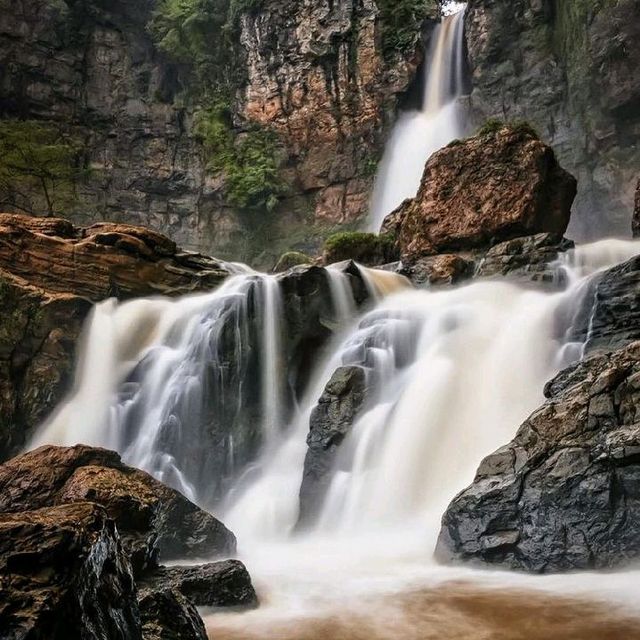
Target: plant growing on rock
[38, 157]
[400, 22]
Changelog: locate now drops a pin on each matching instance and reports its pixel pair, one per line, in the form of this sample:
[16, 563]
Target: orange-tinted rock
[153, 519]
[484, 190]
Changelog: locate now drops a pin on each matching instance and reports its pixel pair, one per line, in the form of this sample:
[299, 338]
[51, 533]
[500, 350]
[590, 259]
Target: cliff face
[568, 67]
[318, 74]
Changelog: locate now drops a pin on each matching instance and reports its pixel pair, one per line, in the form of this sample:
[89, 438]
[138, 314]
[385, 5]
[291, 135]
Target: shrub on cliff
[38, 158]
[401, 22]
[366, 248]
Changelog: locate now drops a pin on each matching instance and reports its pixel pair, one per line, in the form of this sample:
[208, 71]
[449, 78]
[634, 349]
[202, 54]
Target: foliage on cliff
[38, 158]
[401, 22]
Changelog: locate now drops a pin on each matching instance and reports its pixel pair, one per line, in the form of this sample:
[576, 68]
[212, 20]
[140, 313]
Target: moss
[401, 23]
[493, 125]
[291, 259]
[454, 143]
[367, 248]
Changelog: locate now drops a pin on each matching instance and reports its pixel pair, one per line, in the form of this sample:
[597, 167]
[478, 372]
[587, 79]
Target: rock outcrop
[331, 420]
[154, 521]
[81, 537]
[609, 316]
[63, 574]
[501, 184]
[318, 77]
[635, 222]
[568, 68]
[50, 274]
[565, 493]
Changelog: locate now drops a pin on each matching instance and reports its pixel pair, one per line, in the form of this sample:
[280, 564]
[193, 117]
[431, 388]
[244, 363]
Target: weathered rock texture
[64, 576]
[570, 69]
[331, 420]
[609, 316]
[493, 187]
[313, 72]
[565, 493]
[635, 222]
[50, 274]
[153, 520]
[80, 536]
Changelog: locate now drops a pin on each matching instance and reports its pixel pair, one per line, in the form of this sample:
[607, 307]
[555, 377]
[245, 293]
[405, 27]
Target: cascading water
[418, 134]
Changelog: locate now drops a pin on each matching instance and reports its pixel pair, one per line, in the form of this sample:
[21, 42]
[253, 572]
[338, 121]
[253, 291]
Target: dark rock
[496, 186]
[153, 520]
[369, 249]
[65, 576]
[330, 422]
[568, 68]
[217, 584]
[167, 615]
[609, 316]
[443, 269]
[565, 493]
[635, 222]
[527, 259]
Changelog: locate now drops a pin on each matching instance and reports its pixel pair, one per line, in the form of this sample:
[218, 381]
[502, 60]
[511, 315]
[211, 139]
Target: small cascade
[418, 134]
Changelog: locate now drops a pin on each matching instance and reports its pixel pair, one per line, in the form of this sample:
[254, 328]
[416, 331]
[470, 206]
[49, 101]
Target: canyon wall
[124, 103]
[569, 67]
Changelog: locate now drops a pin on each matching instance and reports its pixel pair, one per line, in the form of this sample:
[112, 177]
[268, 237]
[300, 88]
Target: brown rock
[445, 269]
[153, 520]
[483, 190]
[64, 575]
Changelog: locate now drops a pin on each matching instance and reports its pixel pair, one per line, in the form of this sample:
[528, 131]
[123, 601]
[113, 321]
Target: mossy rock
[493, 125]
[369, 249]
[291, 259]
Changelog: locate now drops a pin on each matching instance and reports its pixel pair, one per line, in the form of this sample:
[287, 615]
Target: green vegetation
[249, 160]
[39, 158]
[203, 34]
[401, 21]
[367, 248]
[291, 259]
[494, 125]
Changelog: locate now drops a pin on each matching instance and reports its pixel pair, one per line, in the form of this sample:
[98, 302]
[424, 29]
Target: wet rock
[331, 420]
[565, 493]
[64, 574]
[496, 186]
[217, 584]
[568, 68]
[291, 259]
[153, 520]
[609, 316]
[167, 615]
[369, 249]
[444, 269]
[527, 259]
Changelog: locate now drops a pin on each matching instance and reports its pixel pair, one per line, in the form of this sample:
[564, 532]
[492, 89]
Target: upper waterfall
[418, 134]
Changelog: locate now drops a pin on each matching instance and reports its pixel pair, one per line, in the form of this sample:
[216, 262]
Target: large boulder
[501, 184]
[330, 422]
[65, 576]
[154, 521]
[565, 493]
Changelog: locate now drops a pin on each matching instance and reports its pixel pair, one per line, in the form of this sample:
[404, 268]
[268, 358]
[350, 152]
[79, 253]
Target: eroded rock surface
[565, 493]
[493, 187]
[64, 575]
[153, 520]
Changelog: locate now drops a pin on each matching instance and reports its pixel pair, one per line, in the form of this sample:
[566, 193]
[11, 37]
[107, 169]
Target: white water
[418, 134]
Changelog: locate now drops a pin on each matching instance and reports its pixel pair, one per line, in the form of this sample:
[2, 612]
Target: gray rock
[330, 422]
[565, 493]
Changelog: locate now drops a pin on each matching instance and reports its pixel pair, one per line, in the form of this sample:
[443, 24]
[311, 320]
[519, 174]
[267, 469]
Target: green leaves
[38, 157]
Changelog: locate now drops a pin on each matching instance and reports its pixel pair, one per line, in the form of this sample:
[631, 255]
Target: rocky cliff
[570, 69]
[150, 130]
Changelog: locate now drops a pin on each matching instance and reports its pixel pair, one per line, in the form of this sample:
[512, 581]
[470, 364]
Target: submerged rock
[154, 521]
[330, 422]
[565, 493]
[501, 184]
[64, 574]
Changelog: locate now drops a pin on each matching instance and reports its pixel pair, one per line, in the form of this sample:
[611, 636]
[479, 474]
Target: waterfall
[418, 134]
